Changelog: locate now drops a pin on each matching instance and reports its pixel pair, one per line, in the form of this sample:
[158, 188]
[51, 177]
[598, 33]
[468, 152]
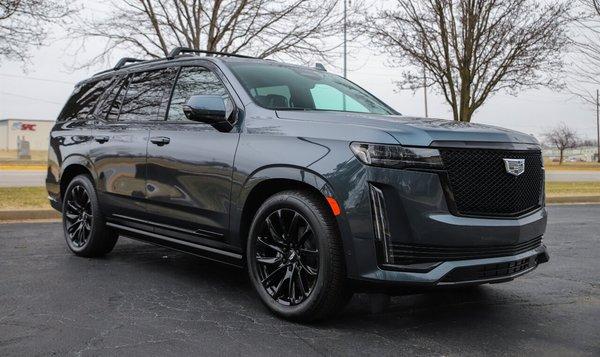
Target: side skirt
[205, 252]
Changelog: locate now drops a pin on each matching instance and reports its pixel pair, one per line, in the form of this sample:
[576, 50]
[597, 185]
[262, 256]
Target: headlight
[397, 156]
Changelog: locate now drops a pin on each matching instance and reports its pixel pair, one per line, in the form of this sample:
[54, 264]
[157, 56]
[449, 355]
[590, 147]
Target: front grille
[480, 185]
[403, 254]
[490, 271]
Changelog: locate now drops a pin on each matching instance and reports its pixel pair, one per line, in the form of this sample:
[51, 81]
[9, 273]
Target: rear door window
[146, 93]
[83, 100]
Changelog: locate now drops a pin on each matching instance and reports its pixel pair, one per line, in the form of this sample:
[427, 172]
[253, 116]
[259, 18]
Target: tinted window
[83, 100]
[145, 94]
[284, 87]
[193, 81]
[111, 102]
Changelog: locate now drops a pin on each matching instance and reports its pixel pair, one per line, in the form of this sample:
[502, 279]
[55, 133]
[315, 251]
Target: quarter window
[83, 100]
[193, 81]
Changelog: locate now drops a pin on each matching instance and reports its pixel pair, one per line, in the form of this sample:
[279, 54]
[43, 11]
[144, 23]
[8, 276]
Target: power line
[36, 78]
[31, 98]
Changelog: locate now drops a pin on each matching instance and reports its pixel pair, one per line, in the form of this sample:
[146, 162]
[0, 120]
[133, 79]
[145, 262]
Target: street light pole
[345, 49]
[425, 92]
[598, 121]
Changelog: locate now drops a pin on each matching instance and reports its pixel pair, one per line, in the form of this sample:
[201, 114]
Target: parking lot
[143, 299]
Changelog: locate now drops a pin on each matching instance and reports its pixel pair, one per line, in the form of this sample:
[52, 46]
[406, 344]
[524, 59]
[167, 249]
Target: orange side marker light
[335, 207]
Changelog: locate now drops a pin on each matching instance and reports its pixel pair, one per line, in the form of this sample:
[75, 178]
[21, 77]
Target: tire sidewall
[290, 202]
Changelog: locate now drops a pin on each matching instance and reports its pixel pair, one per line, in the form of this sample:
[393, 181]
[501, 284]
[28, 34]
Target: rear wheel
[295, 257]
[84, 227]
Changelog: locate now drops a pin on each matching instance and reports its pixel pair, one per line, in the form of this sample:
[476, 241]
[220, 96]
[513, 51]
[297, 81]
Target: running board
[202, 251]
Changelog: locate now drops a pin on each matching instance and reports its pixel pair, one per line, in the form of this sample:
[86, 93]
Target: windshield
[282, 87]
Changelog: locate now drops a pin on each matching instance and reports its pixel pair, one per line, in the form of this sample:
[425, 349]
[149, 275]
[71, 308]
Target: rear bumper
[456, 273]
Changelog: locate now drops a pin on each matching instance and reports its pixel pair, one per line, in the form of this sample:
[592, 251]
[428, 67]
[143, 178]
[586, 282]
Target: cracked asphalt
[146, 300]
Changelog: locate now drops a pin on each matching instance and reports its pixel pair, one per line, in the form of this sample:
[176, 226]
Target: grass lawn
[23, 198]
[577, 166]
[36, 197]
[558, 189]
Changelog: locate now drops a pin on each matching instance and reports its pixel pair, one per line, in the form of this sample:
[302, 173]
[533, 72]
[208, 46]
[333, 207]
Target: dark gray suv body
[187, 152]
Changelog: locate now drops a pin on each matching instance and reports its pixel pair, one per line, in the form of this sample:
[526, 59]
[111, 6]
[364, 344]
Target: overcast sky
[39, 90]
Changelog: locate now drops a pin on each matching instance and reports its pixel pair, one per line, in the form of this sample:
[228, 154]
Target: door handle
[101, 139]
[160, 140]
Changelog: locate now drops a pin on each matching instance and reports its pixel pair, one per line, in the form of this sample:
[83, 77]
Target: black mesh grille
[413, 254]
[481, 186]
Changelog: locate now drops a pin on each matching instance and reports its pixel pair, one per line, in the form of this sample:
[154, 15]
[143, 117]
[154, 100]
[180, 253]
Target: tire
[83, 224]
[282, 262]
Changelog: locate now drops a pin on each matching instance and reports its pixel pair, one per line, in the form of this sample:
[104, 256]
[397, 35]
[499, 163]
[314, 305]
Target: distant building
[36, 132]
[584, 153]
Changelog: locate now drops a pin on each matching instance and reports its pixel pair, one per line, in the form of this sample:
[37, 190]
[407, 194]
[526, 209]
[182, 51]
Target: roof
[22, 119]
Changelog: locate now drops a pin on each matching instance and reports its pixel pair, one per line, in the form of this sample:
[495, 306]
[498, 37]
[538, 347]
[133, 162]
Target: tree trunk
[561, 157]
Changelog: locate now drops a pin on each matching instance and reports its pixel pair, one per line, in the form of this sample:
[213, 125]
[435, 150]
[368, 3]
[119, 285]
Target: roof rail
[123, 61]
[180, 50]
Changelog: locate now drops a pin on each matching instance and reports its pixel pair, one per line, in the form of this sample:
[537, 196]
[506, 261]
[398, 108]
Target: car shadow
[448, 308]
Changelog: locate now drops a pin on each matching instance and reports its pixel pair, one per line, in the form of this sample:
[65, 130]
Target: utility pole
[345, 39]
[425, 93]
[598, 120]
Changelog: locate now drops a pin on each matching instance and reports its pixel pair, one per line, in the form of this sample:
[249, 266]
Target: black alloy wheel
[78, 212]
[287, 257]
[84, 226]
[295, 257]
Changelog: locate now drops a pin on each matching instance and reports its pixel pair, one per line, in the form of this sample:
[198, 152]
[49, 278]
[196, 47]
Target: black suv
[311, 182]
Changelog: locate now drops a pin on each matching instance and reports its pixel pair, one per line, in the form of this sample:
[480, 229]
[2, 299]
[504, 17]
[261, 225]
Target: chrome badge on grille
[514, 166]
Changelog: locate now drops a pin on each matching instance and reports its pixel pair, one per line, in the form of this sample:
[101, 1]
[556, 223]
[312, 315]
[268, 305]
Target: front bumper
[456, 273]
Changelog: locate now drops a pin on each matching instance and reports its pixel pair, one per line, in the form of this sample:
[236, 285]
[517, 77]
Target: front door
[190, 166]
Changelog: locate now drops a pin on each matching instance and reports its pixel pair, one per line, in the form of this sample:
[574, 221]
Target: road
[37, 178]
[22, 178]
[572, 175]
[145, 300]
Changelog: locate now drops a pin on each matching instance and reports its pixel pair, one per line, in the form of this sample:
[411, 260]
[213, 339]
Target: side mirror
[209, 109]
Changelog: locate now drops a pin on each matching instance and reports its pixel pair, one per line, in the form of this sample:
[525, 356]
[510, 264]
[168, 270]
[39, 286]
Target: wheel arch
[268, 181]
[73, 166]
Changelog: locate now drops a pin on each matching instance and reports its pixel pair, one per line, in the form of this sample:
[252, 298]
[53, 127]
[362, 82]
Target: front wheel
[295, 257]
[84, 227]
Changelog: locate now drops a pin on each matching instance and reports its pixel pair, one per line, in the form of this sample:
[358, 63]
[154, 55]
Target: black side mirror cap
[210, 109]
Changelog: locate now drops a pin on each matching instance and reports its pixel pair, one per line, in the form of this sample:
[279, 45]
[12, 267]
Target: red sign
[29, 127]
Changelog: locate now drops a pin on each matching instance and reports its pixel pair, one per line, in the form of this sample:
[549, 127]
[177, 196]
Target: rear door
[190, 166]
[120, 142]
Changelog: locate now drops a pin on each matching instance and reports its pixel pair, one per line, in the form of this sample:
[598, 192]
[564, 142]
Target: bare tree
[471, 49]
[585, 71]
[261, 28]
[562, 137]
[25, 24]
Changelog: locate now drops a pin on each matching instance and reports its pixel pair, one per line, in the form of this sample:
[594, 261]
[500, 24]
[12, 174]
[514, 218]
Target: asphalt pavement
[22, 178]
[146, 300]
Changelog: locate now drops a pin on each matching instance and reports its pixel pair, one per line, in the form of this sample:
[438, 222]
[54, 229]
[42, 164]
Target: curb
[27, 215]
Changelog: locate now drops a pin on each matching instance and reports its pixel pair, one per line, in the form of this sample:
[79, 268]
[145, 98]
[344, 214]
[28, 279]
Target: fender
[77, 159]
[292, 173]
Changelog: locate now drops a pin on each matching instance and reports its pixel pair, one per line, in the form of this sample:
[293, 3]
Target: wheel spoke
[293, 228]
[268, 260]
[299, 281]
[310, 271]
[304, 236]
[274, 234]
[291, 287]
[270, 245]
[280, 286]
[267, 280]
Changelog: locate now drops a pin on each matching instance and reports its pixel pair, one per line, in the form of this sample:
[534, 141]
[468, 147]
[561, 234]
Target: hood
[416, 131]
